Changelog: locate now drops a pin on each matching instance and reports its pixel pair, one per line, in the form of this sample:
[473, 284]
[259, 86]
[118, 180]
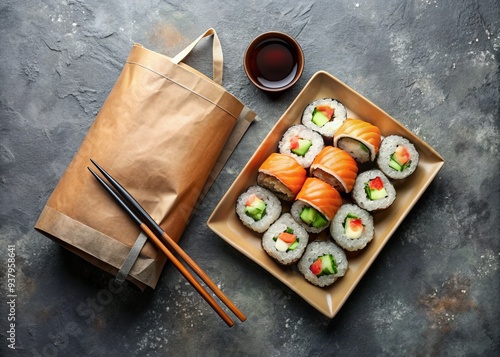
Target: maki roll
[258, 208]
[373, 191]
[359, 138]
[323, 263]
[283, 175]
[397, 157]
[324, 116]
[302, 144]
[316, 205]
[352, 227]
[336, 167]
[285, 241]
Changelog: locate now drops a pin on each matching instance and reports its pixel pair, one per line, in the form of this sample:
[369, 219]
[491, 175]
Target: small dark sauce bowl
[274, 61]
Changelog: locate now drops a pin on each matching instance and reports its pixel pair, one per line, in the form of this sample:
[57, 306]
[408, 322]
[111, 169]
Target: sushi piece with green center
[324, 265]
[286, 241]
[400, 158]
[375, 189]
[255, 207]
[300, 146]
[353, 226]
[301, 143]
[322, 114]
[258, 208]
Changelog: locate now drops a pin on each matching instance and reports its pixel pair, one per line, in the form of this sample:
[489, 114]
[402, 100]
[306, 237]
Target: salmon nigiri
[359, 138]
[316, 204]
[283, 175]
[336, 167]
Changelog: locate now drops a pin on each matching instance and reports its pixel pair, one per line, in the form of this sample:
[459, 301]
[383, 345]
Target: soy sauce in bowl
[274, 61]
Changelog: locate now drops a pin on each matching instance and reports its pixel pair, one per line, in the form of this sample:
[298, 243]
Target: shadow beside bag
[164, 132]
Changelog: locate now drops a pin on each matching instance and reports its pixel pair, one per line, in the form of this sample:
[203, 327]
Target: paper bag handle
[216, 54]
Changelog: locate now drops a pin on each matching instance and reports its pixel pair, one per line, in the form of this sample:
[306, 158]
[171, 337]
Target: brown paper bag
[164, 132]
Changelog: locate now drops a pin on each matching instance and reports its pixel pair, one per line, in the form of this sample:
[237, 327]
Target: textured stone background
[431, 64]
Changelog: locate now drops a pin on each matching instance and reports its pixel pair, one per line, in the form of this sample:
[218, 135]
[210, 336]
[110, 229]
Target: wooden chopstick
[155, 227]
[165, 250]
[132, 206]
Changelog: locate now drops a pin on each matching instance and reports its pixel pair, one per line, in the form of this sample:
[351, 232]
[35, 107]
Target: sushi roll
[323, 263]
[324, 116]
[285, 241]
[316, 205]
[397, 157]
[373, 191]
[336, 167]
[283, 175]
[359, 138]
[258, 208]
[302, 144]
[352, 227]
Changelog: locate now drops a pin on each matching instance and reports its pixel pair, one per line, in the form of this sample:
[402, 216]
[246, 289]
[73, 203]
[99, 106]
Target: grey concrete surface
[431, 64]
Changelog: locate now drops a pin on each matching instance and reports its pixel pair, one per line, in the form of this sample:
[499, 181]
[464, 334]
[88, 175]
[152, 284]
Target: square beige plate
[226, 224]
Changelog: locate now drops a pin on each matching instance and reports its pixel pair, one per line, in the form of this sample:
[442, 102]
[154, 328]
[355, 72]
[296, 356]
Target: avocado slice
[376, 194]
[312, 217]
[319, 118]
[319, 221]
[308, 215]
[256, 209]
[304, 146]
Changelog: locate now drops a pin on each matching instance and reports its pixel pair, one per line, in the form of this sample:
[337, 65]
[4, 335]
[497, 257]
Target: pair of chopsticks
[153, 230]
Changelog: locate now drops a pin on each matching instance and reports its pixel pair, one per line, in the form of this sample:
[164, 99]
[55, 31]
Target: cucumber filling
[312, 217]
[375, 189]
[302, 148]
[363, 147]
[328, 264]
[393, 163]
[374, 194]
[256, 209]
[324, 265]
[319, 118]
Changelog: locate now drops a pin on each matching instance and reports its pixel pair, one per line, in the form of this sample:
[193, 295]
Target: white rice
[317, 249]
[329, 129]
[360, 197]
[281, 225]
[302, 132]
[387, 148]
[272, 213]
[337, 228]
